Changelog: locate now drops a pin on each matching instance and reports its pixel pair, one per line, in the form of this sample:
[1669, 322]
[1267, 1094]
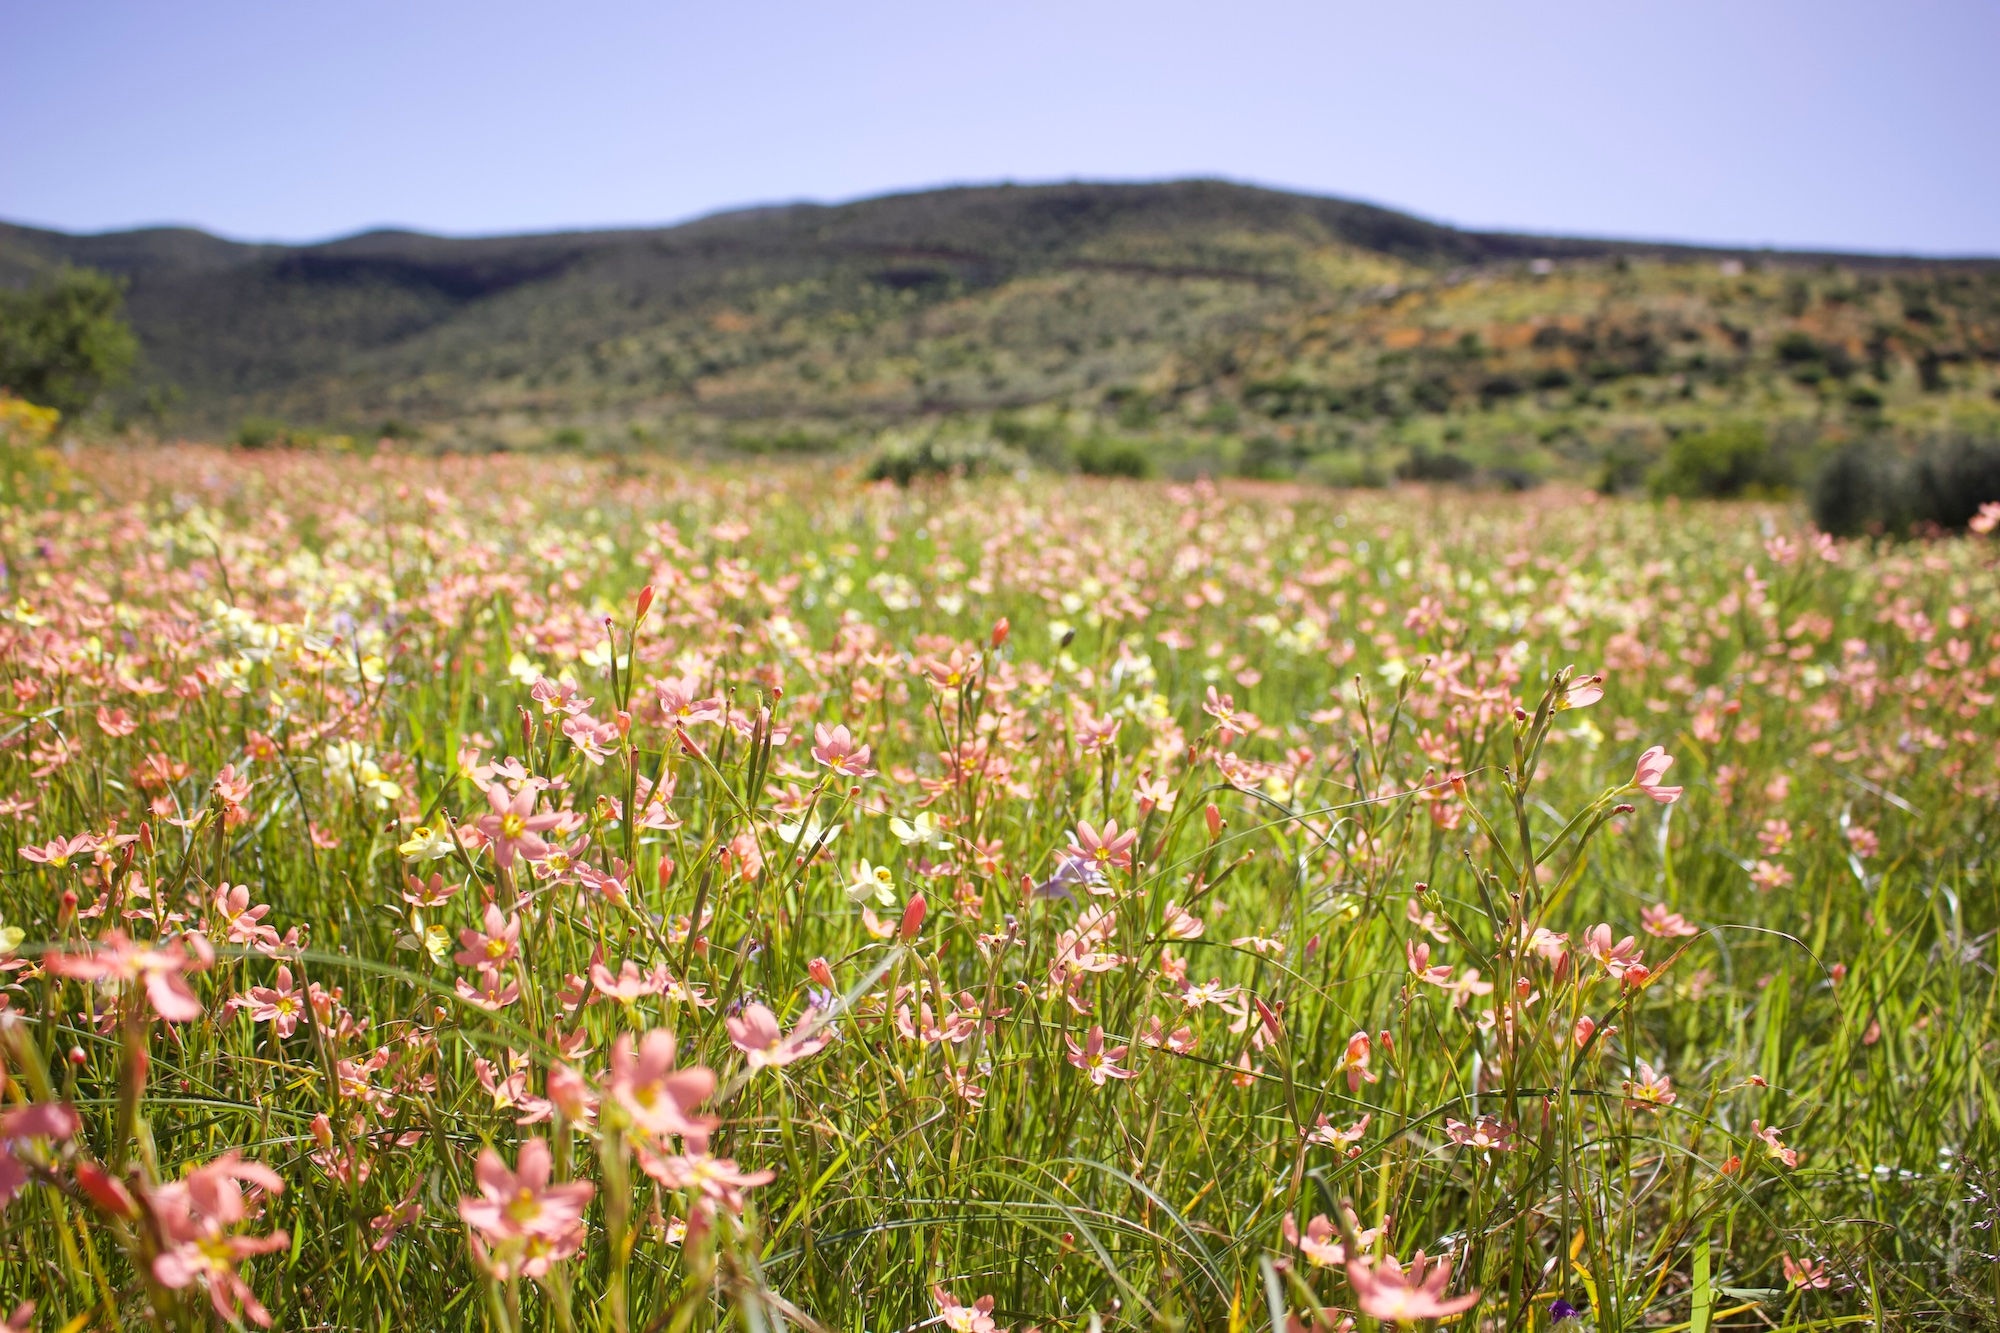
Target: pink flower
[522, 1223]
[513, 827]
[58, 853]
[45, 1120]
[1229, 723]
[197, 1216]
[837, 750]
[1616, 959]
[1107, 850]
[594, 740]
[659, 1098]
[763, 1042]
[1418, 955]
[496, 947]
[1320, 1243]
[1770, 875]
[1581, 692]
[1332, 1136]
[1649, 1091]
[281, 1006]
[1653, 766]
[1658, 920]
[717, 1181]
[1486, 1134]
[1801, 1274]
[960, 1318]
[243, 919]
[1769, 1134]
[1181, 1041]
[117, 959]
[682, 709]
[490, 995]
[1354, 1062]
[1094, 1060]
[630, 984]
[1386, 1291]
[398, 1216]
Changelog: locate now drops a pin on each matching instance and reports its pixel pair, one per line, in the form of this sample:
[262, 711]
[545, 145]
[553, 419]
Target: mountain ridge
[746, 212]
[1067, 298]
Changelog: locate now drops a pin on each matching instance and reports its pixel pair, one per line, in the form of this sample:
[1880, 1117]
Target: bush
[1722, 463]
[1442, 465]
[1113, 458]
[261, 433]
[796, 440]
[904, 462]
[1344, 471]
[1877, 488]
[1043, 441]
[1622, 466]
[66, 341]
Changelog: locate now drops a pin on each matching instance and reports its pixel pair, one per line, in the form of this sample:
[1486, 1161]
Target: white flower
[807, 833]
[923, 831]
[427, 844]
[872, 881]
[352, 769]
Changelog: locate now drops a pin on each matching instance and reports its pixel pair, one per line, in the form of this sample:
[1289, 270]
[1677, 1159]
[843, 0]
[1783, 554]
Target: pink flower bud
[913, 918]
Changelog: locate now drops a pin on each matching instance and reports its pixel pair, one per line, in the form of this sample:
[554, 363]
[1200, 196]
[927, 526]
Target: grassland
[1215, 896]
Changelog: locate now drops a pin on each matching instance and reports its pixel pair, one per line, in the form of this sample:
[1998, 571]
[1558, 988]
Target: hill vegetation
[1185, 327]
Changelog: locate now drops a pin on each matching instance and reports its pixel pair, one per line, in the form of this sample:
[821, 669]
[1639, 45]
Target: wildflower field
[512, 893]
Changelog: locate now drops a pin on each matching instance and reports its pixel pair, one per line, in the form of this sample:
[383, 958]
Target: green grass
[291, 603]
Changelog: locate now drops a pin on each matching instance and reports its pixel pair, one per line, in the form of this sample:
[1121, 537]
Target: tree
[65, 341]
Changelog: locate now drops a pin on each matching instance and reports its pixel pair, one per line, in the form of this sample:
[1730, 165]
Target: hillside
[1204, 322]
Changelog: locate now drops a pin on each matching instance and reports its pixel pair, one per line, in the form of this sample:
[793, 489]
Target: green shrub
[260, 433]
[1622, 466]
[1098, 457]
[65, 341]
[1345, 471]
[1044, 442]
[796, 440]
[1424, 464]
[1875, 487]
[904, 462]
[1722, 463]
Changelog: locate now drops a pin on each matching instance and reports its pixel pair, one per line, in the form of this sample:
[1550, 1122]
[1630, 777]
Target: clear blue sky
[1863, 125]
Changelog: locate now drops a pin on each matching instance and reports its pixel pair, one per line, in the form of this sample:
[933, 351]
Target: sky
[1835, 124]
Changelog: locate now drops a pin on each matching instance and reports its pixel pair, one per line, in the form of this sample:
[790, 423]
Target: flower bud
[913, 918]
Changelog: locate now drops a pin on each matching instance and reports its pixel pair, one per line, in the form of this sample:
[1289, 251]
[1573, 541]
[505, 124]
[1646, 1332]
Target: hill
[1199, 321]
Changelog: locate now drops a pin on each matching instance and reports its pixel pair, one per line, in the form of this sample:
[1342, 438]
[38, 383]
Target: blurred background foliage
[1180, 329]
